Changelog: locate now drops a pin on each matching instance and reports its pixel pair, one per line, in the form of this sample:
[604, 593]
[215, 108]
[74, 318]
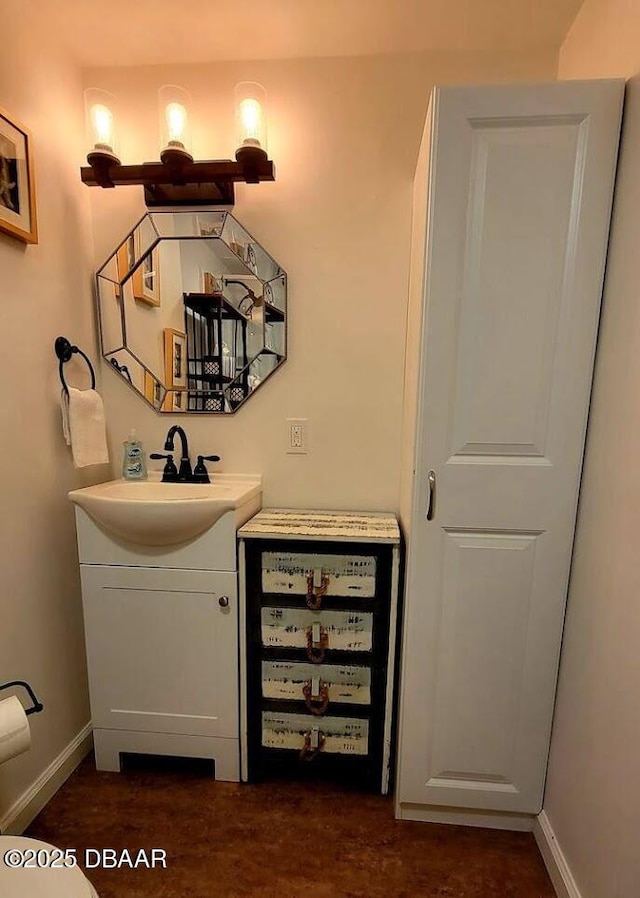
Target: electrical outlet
[296, 436]
[297, 443]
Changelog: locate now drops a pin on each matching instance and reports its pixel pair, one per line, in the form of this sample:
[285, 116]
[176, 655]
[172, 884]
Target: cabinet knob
[223, 601]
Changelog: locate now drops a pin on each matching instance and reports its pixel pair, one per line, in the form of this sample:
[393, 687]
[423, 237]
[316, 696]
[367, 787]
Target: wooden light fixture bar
[180, 181]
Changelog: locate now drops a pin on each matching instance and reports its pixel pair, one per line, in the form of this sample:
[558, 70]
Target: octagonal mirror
[192, 312]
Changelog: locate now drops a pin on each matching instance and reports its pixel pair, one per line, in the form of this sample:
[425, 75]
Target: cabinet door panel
[162, 651]
[519, 197]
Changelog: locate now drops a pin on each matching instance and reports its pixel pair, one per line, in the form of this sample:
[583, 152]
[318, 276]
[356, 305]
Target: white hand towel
[83, 427]
[64, 405]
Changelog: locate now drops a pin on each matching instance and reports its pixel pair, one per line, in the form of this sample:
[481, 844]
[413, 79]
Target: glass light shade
[100, 116]
[251, 124]
[173, 110]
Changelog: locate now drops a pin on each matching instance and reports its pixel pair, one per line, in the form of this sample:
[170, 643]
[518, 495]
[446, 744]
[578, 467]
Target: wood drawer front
[286, 573]
[346, 684]
[342, 735]
[346, 631]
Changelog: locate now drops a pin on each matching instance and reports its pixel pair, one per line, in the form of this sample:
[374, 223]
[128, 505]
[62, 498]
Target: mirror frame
[118, 281]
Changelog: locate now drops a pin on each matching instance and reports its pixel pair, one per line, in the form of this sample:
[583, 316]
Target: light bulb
[173, 113]
[102, 124]
[250, 104]
[251, 118]
[176, 116]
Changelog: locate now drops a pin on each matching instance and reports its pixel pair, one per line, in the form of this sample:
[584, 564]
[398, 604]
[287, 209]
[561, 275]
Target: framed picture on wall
[17, 181]
[175, 359]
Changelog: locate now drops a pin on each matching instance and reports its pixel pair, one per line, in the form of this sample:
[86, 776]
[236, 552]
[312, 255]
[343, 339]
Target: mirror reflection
[192, 312]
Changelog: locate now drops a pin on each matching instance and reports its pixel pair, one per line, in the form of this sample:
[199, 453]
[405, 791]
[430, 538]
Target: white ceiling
[145, 32]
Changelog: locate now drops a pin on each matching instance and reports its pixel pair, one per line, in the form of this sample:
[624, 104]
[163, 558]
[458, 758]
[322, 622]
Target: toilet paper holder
[37, 706]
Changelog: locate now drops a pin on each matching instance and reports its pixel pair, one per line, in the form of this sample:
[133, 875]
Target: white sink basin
[151, 513]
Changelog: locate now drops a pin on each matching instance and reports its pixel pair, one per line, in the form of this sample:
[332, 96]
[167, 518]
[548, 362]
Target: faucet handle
[200, 473]
[170, 472]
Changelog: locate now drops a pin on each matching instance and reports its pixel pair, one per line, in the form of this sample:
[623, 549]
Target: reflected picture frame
[178, 400]
[145, 280]
[152, 389]
[175, 401]
[175, 359]
[125, 257]
[18, 215]
[206, 228]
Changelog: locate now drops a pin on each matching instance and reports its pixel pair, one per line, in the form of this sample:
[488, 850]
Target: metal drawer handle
[223, 601]
[316, 650]
[317, 704]
[316, 591]
[431, 496]
[310, 751]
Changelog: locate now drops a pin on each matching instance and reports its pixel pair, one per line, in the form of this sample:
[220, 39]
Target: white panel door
[520, 187]
[162, 651]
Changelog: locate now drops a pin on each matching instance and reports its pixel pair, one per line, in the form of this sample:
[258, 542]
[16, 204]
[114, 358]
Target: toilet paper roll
[15, 735]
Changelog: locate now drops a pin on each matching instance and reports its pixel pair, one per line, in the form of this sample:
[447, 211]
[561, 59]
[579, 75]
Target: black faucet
[185, 473]
[170, 473]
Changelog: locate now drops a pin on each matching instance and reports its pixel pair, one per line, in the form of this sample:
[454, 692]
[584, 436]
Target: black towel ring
[64, 350]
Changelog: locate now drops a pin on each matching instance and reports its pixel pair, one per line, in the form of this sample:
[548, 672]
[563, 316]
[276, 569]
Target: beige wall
[603, 41]
[44, 291]
[344, 134]
[593, 787]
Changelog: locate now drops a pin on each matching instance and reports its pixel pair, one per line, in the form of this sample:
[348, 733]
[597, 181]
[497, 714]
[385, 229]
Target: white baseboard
[31, 802]
[554, 859]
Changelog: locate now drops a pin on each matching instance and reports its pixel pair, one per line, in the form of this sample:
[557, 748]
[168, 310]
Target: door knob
[223, 601]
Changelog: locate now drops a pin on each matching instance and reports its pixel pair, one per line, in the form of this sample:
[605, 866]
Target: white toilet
[57, 882]
[36, 879]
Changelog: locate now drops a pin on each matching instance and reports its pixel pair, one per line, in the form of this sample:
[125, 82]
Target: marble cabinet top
[348, 526]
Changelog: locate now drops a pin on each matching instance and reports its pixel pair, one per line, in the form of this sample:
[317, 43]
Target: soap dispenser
[134, 461]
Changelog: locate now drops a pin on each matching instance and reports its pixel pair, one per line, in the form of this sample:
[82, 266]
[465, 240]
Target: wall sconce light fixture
[178, 180]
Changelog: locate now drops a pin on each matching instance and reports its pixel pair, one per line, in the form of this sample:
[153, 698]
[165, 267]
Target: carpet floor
[277, 840]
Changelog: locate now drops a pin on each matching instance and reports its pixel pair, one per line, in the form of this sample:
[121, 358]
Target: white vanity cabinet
[161, 630]
[172, 667]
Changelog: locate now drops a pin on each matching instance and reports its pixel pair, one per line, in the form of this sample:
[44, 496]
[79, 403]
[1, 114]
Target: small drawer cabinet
[318, 619]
